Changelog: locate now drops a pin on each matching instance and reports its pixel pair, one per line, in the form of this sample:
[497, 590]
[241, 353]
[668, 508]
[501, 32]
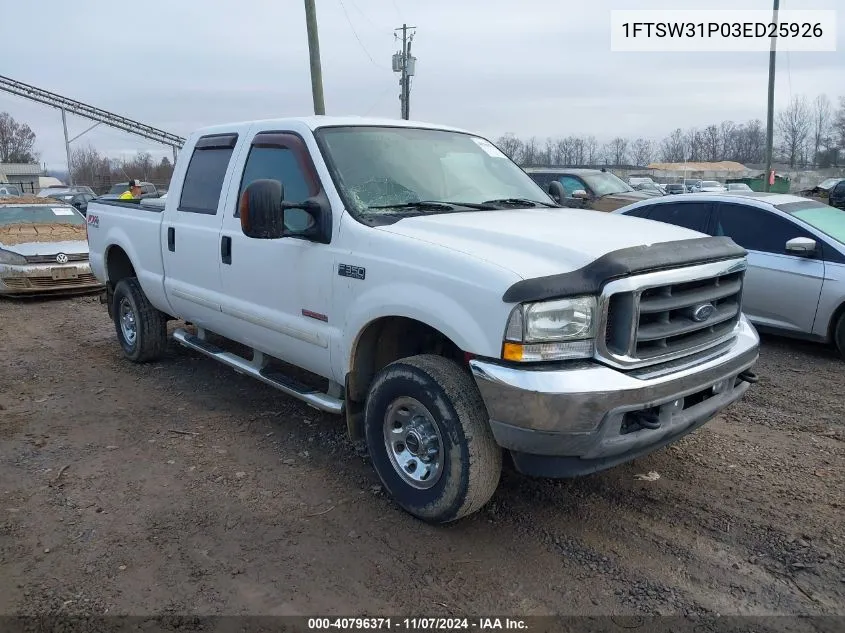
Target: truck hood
[537, 242]
[28, 249]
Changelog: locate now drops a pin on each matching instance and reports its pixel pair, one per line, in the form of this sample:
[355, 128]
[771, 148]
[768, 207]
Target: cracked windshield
[392, 170]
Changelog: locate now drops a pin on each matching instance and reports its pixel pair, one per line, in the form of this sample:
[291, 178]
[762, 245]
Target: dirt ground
[181, 487]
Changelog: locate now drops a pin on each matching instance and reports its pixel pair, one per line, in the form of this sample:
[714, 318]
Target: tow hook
[749, 376]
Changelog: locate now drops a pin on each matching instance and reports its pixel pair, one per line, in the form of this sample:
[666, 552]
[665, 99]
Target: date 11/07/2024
[416, 624]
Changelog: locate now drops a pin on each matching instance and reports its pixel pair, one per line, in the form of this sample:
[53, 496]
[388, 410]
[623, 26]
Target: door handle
[171, 239]
[226, 249]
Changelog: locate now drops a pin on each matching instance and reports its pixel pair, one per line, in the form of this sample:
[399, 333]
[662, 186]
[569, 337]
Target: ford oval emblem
[703, 312]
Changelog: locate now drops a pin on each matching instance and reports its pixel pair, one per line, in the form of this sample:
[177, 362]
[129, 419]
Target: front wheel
[429, 438]
[839, 334]
[141, 328]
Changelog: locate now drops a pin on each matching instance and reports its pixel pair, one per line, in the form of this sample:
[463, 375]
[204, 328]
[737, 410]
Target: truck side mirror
[265, 215]
[260, 209]
[580, 194]
[557, 192]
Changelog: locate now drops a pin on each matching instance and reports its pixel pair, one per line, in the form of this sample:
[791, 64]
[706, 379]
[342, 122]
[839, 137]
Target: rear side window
[206, 171]
[690, 215]
[640, 212]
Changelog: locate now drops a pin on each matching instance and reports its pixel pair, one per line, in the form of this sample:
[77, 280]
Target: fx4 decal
[94, 221]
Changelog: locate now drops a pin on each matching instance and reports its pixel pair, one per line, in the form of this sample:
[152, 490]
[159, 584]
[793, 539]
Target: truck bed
[135, 228]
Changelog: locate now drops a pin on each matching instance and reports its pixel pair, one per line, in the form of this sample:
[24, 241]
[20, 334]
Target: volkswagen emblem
[703, 312]
[61, 258]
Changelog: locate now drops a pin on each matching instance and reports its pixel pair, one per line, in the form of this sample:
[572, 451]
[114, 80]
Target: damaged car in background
[43, 248]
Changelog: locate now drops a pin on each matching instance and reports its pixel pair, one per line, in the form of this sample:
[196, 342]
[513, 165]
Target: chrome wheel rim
[128, 326]
[413, 443]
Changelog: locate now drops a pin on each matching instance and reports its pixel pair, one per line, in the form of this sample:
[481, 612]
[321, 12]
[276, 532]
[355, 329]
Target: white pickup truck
[450, 309]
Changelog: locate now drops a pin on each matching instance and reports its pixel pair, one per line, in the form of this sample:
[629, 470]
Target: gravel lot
[181, 487]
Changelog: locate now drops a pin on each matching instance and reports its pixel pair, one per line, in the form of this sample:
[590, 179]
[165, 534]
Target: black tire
[839, 334]
[150, 339]
[471, 459]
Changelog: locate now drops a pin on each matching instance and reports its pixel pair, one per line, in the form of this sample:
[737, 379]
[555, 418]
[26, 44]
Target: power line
[355, 33]
[378, 100]
[365, 16]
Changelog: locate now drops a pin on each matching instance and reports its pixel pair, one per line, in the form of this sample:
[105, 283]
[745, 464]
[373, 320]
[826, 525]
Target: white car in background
[711, 186]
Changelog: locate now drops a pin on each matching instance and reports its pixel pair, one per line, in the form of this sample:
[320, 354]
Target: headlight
[551, 330]
[7, 257]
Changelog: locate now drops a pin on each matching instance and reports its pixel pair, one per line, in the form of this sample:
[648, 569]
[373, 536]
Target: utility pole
[404, 64]
[67, 149]
[770, 117]
[314, 53]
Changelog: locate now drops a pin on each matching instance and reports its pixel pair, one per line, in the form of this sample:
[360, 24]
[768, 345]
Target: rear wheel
[839, 334]
[141, 328]
[428, 436]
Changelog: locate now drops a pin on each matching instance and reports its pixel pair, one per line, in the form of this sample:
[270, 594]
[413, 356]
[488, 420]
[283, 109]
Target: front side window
[380, 169]
[756, 229]
[279, 163]
[690, 215]
[570, 184]
[206, 171]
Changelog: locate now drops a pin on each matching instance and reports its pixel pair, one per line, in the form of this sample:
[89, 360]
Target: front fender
[471, 331]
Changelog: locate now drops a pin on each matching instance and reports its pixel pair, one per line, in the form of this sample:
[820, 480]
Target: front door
[781, 290]
[279, 290]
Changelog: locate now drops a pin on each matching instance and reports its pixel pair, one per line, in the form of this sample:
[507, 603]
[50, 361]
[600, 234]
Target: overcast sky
[531, 67]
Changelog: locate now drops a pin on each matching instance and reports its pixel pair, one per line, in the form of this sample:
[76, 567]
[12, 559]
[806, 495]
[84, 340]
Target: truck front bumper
[582, 417]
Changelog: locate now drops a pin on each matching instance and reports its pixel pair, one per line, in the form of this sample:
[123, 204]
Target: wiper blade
[420, 204]
[517, 202]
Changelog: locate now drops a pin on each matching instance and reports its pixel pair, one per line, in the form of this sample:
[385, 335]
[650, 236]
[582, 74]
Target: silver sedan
[43, 248]
[795, 282]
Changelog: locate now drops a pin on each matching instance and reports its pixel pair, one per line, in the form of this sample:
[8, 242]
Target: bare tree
[549, 155]
[839, 124]
[616, 151]
[591, 150]
[672, 148]
[578, 150]
[511, 146]
[16, 141]
[641, 152]
[728, 138]
[794, 124]
[711, 141]
[694, 142]
[530, 152]
[822, 116]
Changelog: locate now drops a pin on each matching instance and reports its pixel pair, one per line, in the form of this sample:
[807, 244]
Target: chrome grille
[51, 259]
[663, 316]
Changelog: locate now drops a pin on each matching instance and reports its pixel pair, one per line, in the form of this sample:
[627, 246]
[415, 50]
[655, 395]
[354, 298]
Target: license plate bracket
[66, 272]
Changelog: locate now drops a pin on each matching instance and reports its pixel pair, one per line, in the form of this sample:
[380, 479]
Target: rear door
[190, 235]
[781, 290]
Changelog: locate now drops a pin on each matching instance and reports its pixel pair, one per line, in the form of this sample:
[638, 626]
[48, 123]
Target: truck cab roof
[319, 121]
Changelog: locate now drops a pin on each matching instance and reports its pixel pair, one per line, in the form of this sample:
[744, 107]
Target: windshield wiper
[517, 202]
[420, 204]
